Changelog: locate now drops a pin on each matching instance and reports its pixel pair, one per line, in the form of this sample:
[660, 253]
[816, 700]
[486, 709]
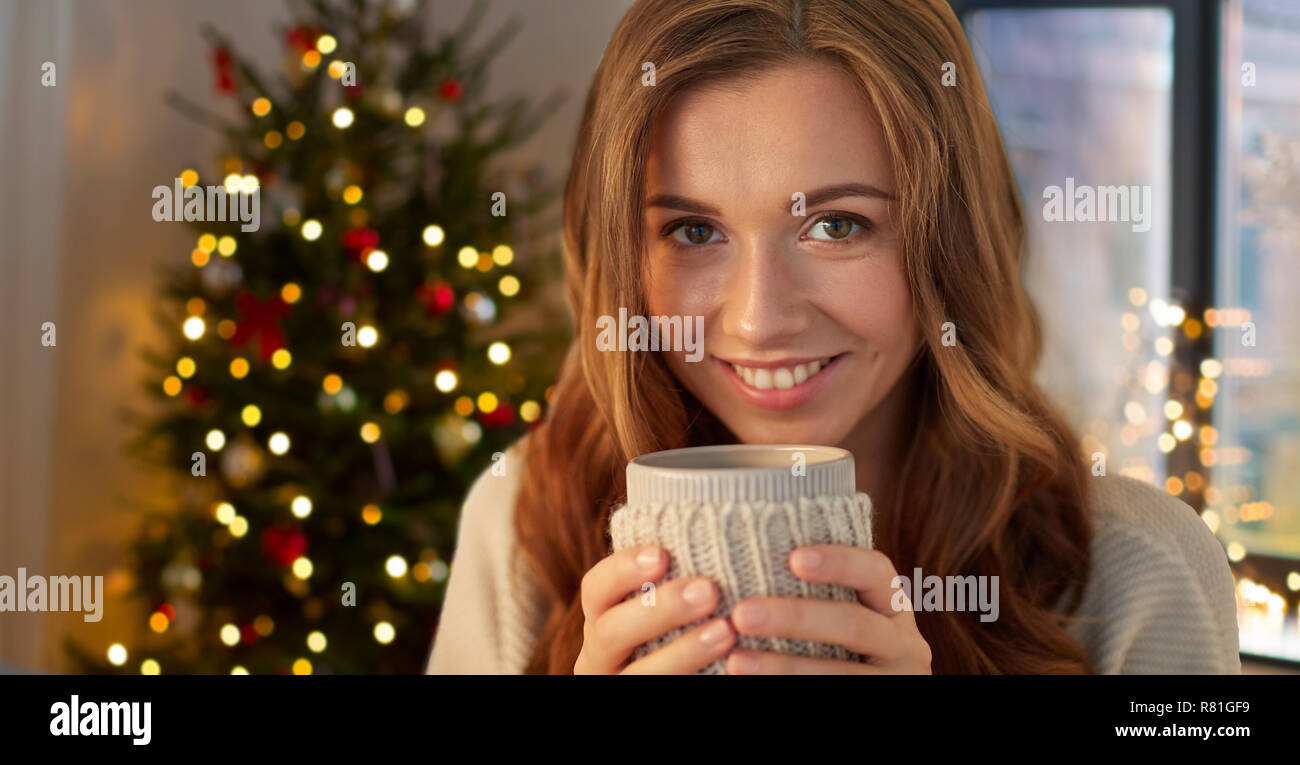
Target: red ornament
[283, 544]
[359, 242]
[500, 417]
[222, 61]
[248, 634]
[195, 395]
[301, 38]
[437, 299]
[261, 319]
[451, 90]
[167, 610]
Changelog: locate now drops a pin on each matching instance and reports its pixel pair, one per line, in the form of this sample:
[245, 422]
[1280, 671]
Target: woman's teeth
[780, 378]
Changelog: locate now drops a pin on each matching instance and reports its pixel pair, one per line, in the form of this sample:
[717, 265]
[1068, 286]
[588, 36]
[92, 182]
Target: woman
[797, 173]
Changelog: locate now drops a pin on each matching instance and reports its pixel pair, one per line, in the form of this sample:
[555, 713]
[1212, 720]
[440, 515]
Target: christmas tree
[335, 379]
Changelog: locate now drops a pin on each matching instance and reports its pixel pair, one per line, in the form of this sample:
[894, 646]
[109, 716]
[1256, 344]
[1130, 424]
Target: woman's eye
[834, 228]
[694, 233]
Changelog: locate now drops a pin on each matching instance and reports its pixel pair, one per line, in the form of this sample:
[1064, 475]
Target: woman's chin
[750, 433]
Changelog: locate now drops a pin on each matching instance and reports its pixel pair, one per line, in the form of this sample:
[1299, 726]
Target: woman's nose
[765, 303]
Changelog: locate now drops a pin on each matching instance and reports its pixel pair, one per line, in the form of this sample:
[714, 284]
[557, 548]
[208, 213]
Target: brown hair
[990, 485]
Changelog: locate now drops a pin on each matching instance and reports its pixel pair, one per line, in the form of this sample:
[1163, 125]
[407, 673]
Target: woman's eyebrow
[811, 198]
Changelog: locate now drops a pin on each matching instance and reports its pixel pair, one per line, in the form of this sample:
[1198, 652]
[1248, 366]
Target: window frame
[1193, 170]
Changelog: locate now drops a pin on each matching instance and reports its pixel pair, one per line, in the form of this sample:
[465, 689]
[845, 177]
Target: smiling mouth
[782, 378]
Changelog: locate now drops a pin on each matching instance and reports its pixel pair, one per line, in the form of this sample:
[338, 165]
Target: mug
[733, 514]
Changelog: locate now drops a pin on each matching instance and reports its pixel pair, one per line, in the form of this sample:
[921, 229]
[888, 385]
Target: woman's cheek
[870, 300]
[684, 289]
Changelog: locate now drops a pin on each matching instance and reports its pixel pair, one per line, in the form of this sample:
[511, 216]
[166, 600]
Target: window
[1175, 349]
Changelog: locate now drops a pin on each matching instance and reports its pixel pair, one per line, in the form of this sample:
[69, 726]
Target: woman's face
[807, 319]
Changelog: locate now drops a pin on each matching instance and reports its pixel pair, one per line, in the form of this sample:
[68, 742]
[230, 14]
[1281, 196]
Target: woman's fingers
[609, 581]
[767, 663]
[604, 585]
[629, 624]
[836, 622]
[689, 653]
[870, 572]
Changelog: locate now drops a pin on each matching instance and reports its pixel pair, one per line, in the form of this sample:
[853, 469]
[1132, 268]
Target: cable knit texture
[1160, 598]
[743, 547]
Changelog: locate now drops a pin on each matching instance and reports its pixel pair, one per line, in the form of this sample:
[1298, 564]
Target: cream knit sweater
[1160, 599]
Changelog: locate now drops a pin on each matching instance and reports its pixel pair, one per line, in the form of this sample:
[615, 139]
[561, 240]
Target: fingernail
[748, 615]
[743, 663]
[698, 592]
[715, 633]
[807, 559]
[648, 558]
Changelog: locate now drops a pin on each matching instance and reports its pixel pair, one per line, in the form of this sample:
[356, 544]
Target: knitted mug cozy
[733, 514]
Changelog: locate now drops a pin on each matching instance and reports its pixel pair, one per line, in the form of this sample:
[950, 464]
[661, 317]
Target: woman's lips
[780, 386]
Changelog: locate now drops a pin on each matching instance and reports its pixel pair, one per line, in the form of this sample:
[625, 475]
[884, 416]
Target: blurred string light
[193, 328]
[224, 513]
[395, 566]
[445, 381]
[278, 443]
[498, 353]
[316, 641]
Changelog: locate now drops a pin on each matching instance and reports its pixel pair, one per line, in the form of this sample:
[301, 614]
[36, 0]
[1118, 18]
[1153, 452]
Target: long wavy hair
[991, 484]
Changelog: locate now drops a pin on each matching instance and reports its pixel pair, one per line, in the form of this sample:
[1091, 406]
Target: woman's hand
[871, 627]
[613, 627]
